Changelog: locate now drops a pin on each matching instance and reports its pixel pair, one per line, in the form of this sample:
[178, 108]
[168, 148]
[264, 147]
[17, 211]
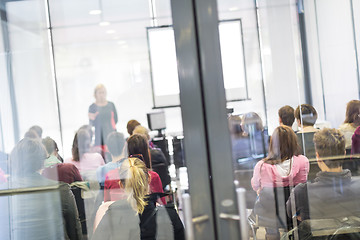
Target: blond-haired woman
[102, 115]
[136, 216]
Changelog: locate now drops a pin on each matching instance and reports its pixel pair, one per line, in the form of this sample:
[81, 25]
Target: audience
[135, 215]
[286, 116]
[283, 167]
[334, 194]
[132, 186]
[352, 121]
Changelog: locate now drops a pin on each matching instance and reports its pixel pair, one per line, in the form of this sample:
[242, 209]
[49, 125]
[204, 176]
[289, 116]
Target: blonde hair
[99, 86]
[142, 130]
[134, 176]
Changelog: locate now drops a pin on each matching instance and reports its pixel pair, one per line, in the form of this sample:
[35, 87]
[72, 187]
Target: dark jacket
[121, 222]
[160, 166]
[41, 215]
[332, 195]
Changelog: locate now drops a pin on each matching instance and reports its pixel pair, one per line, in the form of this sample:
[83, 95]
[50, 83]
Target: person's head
[115, 143]
[353, 113]
[250, 120]
[142, 130]
[27, 157]
[134, 178]
[31, 134]
[81, 144]
[138, 144]
[286, 115]
[283, 145]
[100, 92]
[37, 129]
[50, 145]
[307, 116]
[87, 128]
[131, 125]
[329, 142]
[235, 125]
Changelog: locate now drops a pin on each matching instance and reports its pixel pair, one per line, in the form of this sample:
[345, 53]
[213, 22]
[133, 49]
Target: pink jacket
[266, 175]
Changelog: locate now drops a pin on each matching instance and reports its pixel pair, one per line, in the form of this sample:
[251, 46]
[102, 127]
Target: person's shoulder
[301, 187]
[300, 158]
[92, 107]
[346, 127]
[153, 174]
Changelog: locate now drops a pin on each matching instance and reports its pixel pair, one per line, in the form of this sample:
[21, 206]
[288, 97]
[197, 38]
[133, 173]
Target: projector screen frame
[246, 98]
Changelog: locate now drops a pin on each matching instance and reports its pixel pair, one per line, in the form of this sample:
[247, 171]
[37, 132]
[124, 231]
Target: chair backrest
[270, 207]
[80, 206]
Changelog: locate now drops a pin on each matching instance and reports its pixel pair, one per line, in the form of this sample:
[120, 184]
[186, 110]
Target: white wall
[331, 56]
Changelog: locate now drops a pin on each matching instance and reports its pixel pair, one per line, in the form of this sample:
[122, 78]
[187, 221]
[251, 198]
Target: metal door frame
[203, 104]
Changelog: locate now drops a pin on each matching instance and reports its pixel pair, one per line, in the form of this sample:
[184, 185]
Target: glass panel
[75, 76]
[296, 53]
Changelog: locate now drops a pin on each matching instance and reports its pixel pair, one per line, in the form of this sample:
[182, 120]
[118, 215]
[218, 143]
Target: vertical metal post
[189, 229]
[241, 200]
[304, 52]
[53, 66]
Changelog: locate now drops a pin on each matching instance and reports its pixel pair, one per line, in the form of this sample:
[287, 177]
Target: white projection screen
[164, 73]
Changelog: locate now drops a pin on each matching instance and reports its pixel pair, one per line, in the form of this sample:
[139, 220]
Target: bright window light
[95, 12]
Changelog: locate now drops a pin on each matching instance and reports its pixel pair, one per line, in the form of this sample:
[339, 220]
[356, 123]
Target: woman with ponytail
[135, 215]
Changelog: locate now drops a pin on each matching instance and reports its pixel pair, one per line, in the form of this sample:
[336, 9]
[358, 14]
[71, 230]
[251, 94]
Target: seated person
[63, 172]
[158, 160]
[50, 214]
[306, 118]
[137, 146]
[115, 143]
[135, 215]
[334, 194]
[52, 150]
[82, 158]
[352, 121]
[355, 144]
[255, 135]
[286, 116]
[283, 167]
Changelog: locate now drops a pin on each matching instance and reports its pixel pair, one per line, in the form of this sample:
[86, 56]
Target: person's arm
[115, 113]
[156, 185]
[70, 213]
[255, 180]
[92, 113]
